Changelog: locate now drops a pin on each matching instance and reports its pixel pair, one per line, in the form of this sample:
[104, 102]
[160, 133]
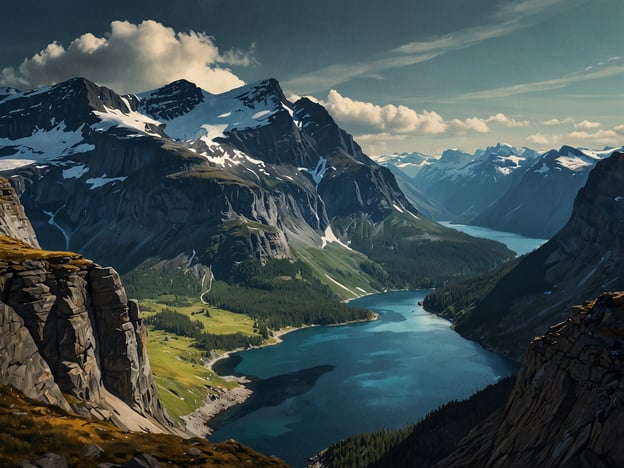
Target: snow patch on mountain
[318, 172]
[340, 284]
[250, 106]
[75, 172]
[329, 236]
[213, 132]
[8, 164]
[573, 163]
[43, 146]
[260, 115]
[97, 182]
[543, 169]
[131, 120]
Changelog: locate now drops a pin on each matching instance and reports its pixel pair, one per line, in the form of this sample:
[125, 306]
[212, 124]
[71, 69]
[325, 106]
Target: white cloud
[506, 121]
[583, 138]
[374, 121]
[539, 139]
[372, 118]
[472, 124]
[132, 58]
[600, 136]
[587, 124]
[552, 122]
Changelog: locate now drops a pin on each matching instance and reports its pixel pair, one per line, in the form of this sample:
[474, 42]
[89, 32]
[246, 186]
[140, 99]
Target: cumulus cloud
[587, 124]
[368, 119]
[552, 122]
[587, 138]
[372, 118]
[600, 136]
[539, 139]
[472, 124]
[506, 121]
[132, 58]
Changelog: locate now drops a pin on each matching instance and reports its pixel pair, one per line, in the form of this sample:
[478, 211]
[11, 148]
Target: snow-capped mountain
[198, 179]
[409, 163]
[539, 203]
[462, 185]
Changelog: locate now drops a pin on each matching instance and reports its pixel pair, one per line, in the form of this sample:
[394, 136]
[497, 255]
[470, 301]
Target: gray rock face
[67, 326]
[21, 365]
[566, 407]
[53, 304]
[13, 220]
[122, 338]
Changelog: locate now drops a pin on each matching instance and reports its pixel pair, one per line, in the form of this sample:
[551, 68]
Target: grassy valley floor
[191, 391]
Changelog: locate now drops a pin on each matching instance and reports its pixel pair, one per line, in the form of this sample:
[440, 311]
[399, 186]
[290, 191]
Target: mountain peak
[267, 91]
[172, 100]
[67, 106]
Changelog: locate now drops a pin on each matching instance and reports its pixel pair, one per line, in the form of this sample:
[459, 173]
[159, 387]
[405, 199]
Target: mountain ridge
[219, 178]
[503, 187]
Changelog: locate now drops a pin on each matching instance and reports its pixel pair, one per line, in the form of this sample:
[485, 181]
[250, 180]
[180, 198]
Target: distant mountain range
[207, 183]
[579, 263]
[502, 187]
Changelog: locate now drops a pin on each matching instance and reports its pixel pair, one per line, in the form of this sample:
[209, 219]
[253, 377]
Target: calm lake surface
[326, 383]
[519, 244]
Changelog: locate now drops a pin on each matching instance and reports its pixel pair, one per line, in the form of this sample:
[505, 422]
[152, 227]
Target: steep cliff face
[72, 338]
[13, 221]
[566, 407]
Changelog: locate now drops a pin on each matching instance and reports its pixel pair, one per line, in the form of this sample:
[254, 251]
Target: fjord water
[326, 383]
[516, 242]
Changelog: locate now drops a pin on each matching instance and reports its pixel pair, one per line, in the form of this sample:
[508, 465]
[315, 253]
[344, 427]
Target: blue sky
[400, 75]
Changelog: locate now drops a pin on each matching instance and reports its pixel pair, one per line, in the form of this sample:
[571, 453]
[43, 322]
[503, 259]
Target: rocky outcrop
[67, 326]
[566, 407]
[125, 367]
[13, 220]
[21, 364]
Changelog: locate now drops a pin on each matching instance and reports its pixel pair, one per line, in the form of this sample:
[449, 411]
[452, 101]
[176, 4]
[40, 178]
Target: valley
[229, 221]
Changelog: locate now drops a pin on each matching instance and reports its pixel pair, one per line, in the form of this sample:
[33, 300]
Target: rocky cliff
[13, 220]
[71, 337]
[566, 407]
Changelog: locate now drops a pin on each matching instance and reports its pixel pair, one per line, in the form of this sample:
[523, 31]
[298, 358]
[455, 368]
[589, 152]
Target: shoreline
[198, 422]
